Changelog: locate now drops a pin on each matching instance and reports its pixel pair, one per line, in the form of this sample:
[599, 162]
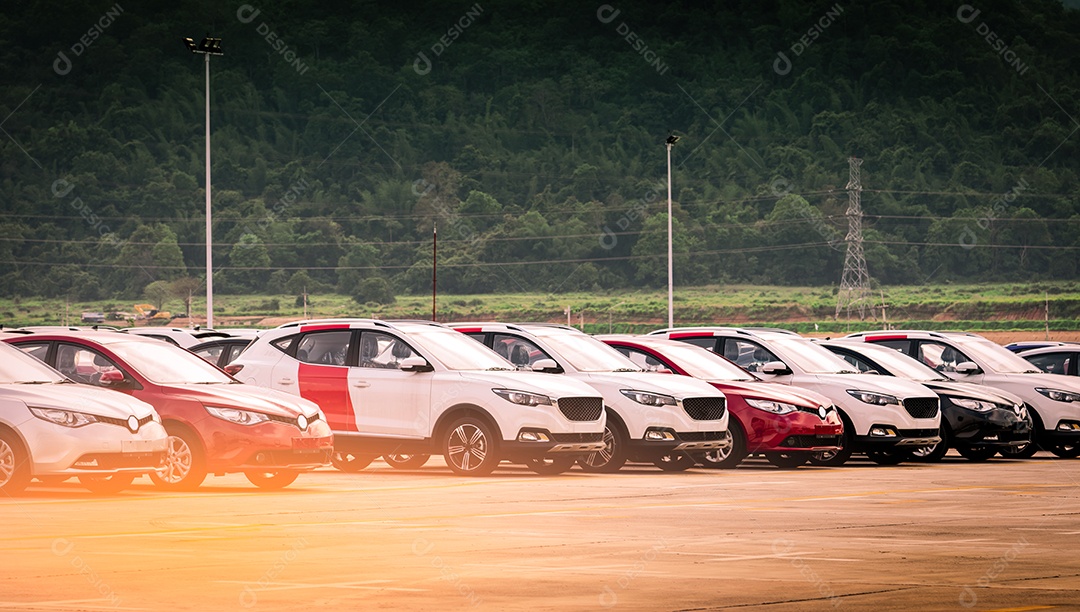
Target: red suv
[784, 423]
[215, 423]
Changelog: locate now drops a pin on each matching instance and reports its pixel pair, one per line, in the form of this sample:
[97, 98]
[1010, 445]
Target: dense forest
[532, 134]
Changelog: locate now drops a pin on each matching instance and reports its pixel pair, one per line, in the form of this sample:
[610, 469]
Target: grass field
[1006, 306]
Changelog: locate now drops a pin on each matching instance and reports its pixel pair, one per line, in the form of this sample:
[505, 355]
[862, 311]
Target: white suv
[972, 358]
[883, 417]
[653, 418]
[409, 389]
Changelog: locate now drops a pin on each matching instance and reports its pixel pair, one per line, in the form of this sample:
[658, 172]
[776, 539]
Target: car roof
[641, 340]
[764, 333]
[537, 329]
[904, 334]
[100, 337]
[1057, 348]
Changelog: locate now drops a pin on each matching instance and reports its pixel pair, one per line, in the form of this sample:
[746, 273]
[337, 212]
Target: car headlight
[67, 418]
[647, 398]
[771, 406]
[523, 398]
[235, 415]
[870, 397]
[1058, 395]
[972, 404]
[155, 417]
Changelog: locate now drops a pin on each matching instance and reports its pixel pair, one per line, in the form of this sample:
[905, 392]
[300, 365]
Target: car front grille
[577, 438]
[291, 420]
[704, 408]
[123, 422]
[115, 461]
[922, 407]
[581, 408]
[918, 433]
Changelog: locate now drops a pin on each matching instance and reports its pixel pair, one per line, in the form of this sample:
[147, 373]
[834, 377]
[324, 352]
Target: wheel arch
[463, 410]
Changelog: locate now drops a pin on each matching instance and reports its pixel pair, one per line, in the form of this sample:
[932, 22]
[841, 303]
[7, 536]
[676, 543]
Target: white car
[653, 418]
[184, 338]
[409, 389]
[883, 417]
[1053, 399]
[53, 428]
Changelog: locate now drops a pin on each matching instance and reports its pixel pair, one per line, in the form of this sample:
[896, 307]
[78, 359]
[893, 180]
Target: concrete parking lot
[954, 535]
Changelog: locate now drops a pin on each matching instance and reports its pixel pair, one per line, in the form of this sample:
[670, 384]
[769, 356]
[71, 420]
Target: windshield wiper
[33, 382]
[627, 370]
[848, 372]
[500, 369]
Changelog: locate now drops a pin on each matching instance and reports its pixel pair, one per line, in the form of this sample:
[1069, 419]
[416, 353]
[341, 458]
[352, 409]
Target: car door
[318, 370]
[387, 400]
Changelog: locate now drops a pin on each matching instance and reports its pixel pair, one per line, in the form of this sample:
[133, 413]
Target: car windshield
[809, 357]
[899, 364]
[18, 367]
[704, 364]
[164, 364]
[996, 358]
[587, 354]
[456, 351]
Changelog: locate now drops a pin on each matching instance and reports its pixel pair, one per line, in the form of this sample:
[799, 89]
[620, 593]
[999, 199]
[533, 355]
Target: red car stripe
[328, 386]
[892, 337]
[677, 335]
[324, 326]
[469, 330]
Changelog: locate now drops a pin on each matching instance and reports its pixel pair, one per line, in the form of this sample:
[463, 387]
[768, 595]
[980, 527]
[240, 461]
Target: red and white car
[784, 423]
[215, 424]
[406, 390]
[53, 429]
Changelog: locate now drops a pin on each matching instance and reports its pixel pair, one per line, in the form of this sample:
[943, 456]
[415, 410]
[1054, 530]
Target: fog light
[659, 435]
[1068, 426]
[882, 432]
[533, 436]
[91, 463]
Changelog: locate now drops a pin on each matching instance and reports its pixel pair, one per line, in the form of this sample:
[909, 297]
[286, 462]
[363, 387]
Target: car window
[325, 347]
[232, 352]
[381, 350]
[941, 357]
[749, 355]
[209, 353]
[899, 345]
[519, 351]
[860, 364]
[82, 364]
[642, 359]
[707, 343]
[1054, 363]
[39, 350]
[283, 344]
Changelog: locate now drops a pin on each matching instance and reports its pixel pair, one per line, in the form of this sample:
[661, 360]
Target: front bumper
[267, 446]
[905, 438]
[556, 444]
[998, 427]
[98, 448]
[687, 441]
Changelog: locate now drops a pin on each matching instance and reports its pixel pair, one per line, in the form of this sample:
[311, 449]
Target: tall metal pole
[670, 266]
[209, 240]
[434, 266]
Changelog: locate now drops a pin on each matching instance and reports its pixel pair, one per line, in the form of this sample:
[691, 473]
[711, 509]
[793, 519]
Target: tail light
[233, 369]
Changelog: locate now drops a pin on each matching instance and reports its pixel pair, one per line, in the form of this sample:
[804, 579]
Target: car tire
[933, 453]
[1065, 451]
[350, 462]
[837, 457]
[185, 462]
[889, 457]
[730, 457]
[106, 484]
[470, 448]
[787, 461]
[977, 453]
[551, 466]
[675, 462]
[272, 480]
[1025, 451]
[613, 456]
[402, 461]
[14, 464]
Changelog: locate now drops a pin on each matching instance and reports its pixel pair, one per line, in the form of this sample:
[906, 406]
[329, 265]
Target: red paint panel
[891, 337]
[677, 335]
[469, 330]
[324, 326]
[328, 386]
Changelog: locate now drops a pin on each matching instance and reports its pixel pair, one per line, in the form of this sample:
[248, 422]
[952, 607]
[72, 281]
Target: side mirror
[663, 371]
[415, 364]
[775, 368]
[967, 368]
[114, 379]
[546, 365]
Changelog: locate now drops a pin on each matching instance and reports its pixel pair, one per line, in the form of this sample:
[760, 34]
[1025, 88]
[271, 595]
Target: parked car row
[280, 402]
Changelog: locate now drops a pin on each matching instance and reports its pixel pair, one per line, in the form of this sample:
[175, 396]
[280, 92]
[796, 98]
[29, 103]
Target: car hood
[81, 398]
[974, 391]
[667, 384]
[247, 397]
[551, 385]
[773, 391]
[1019, 383]
[879, 384]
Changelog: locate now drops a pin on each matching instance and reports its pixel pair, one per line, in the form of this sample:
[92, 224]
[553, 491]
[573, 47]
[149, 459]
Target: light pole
[670, 142]
[208, 46]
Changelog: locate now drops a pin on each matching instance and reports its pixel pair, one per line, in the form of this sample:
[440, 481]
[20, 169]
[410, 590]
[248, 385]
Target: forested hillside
[533, 135]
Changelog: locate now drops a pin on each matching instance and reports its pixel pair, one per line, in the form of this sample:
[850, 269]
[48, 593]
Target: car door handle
[363, 384]
[285, 381]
